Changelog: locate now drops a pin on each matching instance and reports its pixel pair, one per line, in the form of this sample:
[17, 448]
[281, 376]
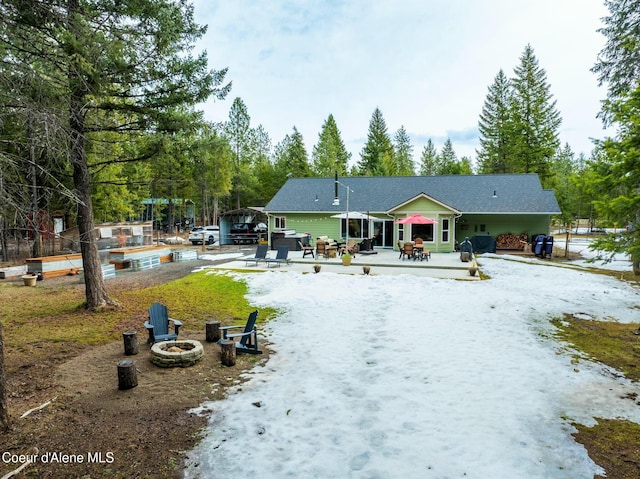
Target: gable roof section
[421, 195]
[514, 194]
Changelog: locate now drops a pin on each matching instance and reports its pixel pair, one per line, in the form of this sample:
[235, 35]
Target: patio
[384, 262]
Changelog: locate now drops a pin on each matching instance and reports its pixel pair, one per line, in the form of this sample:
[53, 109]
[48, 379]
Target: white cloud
[426, 64]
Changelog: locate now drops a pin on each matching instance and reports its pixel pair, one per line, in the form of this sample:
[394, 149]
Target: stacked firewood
[511, 241]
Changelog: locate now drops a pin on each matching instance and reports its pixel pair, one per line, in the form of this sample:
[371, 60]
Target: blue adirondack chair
[248, 337]
[158, 324]
[261, 255]
[282, 256]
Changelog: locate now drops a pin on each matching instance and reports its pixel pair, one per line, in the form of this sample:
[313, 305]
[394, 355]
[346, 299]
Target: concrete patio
[384, 262]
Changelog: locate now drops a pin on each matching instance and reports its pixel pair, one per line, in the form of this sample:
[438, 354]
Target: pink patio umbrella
[415, 220]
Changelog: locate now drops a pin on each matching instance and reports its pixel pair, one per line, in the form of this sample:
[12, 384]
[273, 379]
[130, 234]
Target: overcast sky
[427, 64]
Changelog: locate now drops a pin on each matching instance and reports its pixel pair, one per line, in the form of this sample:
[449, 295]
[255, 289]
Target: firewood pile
[511, 241]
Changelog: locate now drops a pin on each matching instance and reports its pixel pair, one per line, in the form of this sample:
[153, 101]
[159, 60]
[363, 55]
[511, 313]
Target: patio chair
[408, 250]
[401, 249]
[261, 255]
[158, 324]
[321, 248]
[281, 257]
[248, 337]
[306, 249]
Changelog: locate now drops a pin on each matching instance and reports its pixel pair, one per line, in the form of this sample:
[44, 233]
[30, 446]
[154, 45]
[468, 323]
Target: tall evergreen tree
[618, 63]
[497, 135]
[403, 153]
[428, 159]
[377, 146]
[212, 171]
[448, 161]
[616, 178]
[123, 67]
[329, 154]
[238, 132]
[291, 156]
[536, 119]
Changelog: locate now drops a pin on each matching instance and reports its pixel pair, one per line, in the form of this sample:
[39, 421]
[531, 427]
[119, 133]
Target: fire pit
[179, 353]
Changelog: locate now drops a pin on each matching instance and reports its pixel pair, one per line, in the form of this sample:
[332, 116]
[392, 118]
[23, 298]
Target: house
[460, 205]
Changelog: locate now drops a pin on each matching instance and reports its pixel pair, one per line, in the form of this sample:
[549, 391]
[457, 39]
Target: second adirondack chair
[248, 342]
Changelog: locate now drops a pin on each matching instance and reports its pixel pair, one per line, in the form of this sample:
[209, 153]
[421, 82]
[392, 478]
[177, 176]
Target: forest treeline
[100, 112]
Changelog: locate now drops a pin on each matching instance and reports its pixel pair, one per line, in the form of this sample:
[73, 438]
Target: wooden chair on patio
[306, 249]
[408, 250]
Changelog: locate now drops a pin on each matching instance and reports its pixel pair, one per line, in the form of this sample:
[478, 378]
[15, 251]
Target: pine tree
[535, 118]
[120, 67]
[618, 63]
[497, 136]
[614, 177]
[428, 159]
[291, 156]
[448, 164]
[330, 154]
[403, 153]
[377, 146]
[238, 132]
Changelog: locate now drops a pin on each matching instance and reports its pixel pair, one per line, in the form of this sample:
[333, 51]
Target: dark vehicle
[247, 232]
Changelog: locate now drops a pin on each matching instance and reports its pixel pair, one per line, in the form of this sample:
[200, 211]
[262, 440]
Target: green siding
[315, 224]
[433, 210]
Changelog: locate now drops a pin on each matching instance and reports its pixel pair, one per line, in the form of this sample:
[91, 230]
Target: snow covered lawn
[417, 377]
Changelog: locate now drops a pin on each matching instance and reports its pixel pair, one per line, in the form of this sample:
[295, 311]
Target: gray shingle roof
[514, 194]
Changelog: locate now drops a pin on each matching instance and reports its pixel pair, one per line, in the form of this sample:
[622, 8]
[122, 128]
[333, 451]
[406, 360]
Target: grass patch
[46, 320]
[613, 444]
[611, 343]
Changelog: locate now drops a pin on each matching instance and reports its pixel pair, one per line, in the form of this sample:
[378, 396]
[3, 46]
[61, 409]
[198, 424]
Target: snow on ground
[619, 262]
[405, 376]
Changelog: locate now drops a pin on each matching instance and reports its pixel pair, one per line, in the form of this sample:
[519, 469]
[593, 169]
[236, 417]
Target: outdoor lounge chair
[281, 257]
[158, 324]
[261, 255]
[248, 338]
[306, 249]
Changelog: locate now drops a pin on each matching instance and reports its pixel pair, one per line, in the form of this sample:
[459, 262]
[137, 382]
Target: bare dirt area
[88, 428]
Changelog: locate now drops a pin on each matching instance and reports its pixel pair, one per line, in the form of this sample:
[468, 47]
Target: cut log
[228, 354]
[212, 329]
[127, 377]
[130, 343]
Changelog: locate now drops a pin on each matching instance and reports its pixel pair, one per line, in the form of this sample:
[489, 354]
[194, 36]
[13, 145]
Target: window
[358, 228]
[280, 222]
[401, 233]
[445, 230]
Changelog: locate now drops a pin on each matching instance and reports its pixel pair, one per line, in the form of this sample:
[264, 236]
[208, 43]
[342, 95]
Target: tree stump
[228, 355]
[130, 343]
[212, 329]
[127, 377]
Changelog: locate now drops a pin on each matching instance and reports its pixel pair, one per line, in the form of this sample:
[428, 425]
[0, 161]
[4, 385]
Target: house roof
[470, 194]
